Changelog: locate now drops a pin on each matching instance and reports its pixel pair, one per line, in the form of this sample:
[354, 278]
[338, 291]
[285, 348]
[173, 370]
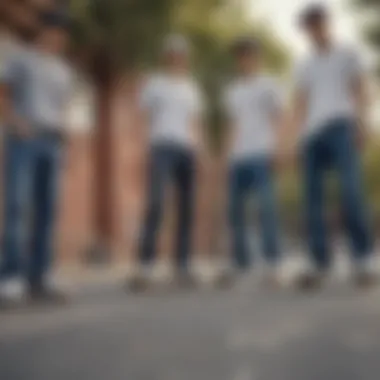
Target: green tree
[371, 11]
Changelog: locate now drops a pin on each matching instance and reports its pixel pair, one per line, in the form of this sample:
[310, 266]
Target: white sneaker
[12, 290]
[272, 276]
[140, 278]
[224, 278]
[367, 265]
[161, 274]
[248, 280]
[205, 271]
[58, 284]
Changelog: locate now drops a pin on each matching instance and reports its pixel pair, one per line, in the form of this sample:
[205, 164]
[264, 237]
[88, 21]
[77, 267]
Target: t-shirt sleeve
[275, 97]
[70, 81]
[198, 101]
[146, 95]
[354, 64]
[300, 77]
[11, 70]
[228, 103]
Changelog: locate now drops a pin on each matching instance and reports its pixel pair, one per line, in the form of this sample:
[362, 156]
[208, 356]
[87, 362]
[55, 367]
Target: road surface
[245, 333]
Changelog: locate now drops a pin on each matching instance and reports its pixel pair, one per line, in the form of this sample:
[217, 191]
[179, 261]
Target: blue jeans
[254, 175]
[334, 148]
[169, 164]
[31, 175]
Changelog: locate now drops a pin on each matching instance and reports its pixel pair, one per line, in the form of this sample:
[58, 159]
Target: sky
[281, 15]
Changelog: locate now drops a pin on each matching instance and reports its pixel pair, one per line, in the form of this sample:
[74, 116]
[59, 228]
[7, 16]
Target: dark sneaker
[12, 293]
[225, 280]
[137, 284]
[310, 281]
[366, 274]
[185, 281]
[45, 296]
[6, 304]
[272, 281]
[366, 280]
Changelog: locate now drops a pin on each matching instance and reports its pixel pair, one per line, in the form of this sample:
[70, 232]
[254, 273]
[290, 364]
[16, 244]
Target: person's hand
[203, 158]
[361, 135]
[22, 129]
[286, 156]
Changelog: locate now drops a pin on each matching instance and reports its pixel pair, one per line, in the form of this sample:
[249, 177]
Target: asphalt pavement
[245, 333]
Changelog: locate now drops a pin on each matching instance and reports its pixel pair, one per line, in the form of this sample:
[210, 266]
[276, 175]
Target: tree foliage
[123, 31]
[371, 25]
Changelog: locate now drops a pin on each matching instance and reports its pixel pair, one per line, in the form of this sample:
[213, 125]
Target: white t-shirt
[52, 80]
[327, 79]
[40, 86]
[252, 105]
[171, 104]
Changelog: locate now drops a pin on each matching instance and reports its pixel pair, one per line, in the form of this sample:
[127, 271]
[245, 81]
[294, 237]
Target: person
[171, 106]
[330, 110]
[36, 87]
[18, 29]
[254, 109]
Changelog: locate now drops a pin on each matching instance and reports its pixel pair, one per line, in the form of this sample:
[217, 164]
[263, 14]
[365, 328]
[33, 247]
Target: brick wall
[74, 227]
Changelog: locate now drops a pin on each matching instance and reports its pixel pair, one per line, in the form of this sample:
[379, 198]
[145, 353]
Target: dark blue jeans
[334, 148]
[31, 174]
[169, 164]
[249, 176]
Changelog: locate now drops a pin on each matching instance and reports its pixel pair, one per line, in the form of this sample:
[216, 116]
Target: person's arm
[297, 117]
[3, 101]
[198, 123]
[294, 119]
[12, 121]
[229, 124]
[276, 109]
[67, 107]
[145, 95]
[229, 139]
[361, 104]
[291, 129]
[3, 90]
[200, 135]
[360, 95]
